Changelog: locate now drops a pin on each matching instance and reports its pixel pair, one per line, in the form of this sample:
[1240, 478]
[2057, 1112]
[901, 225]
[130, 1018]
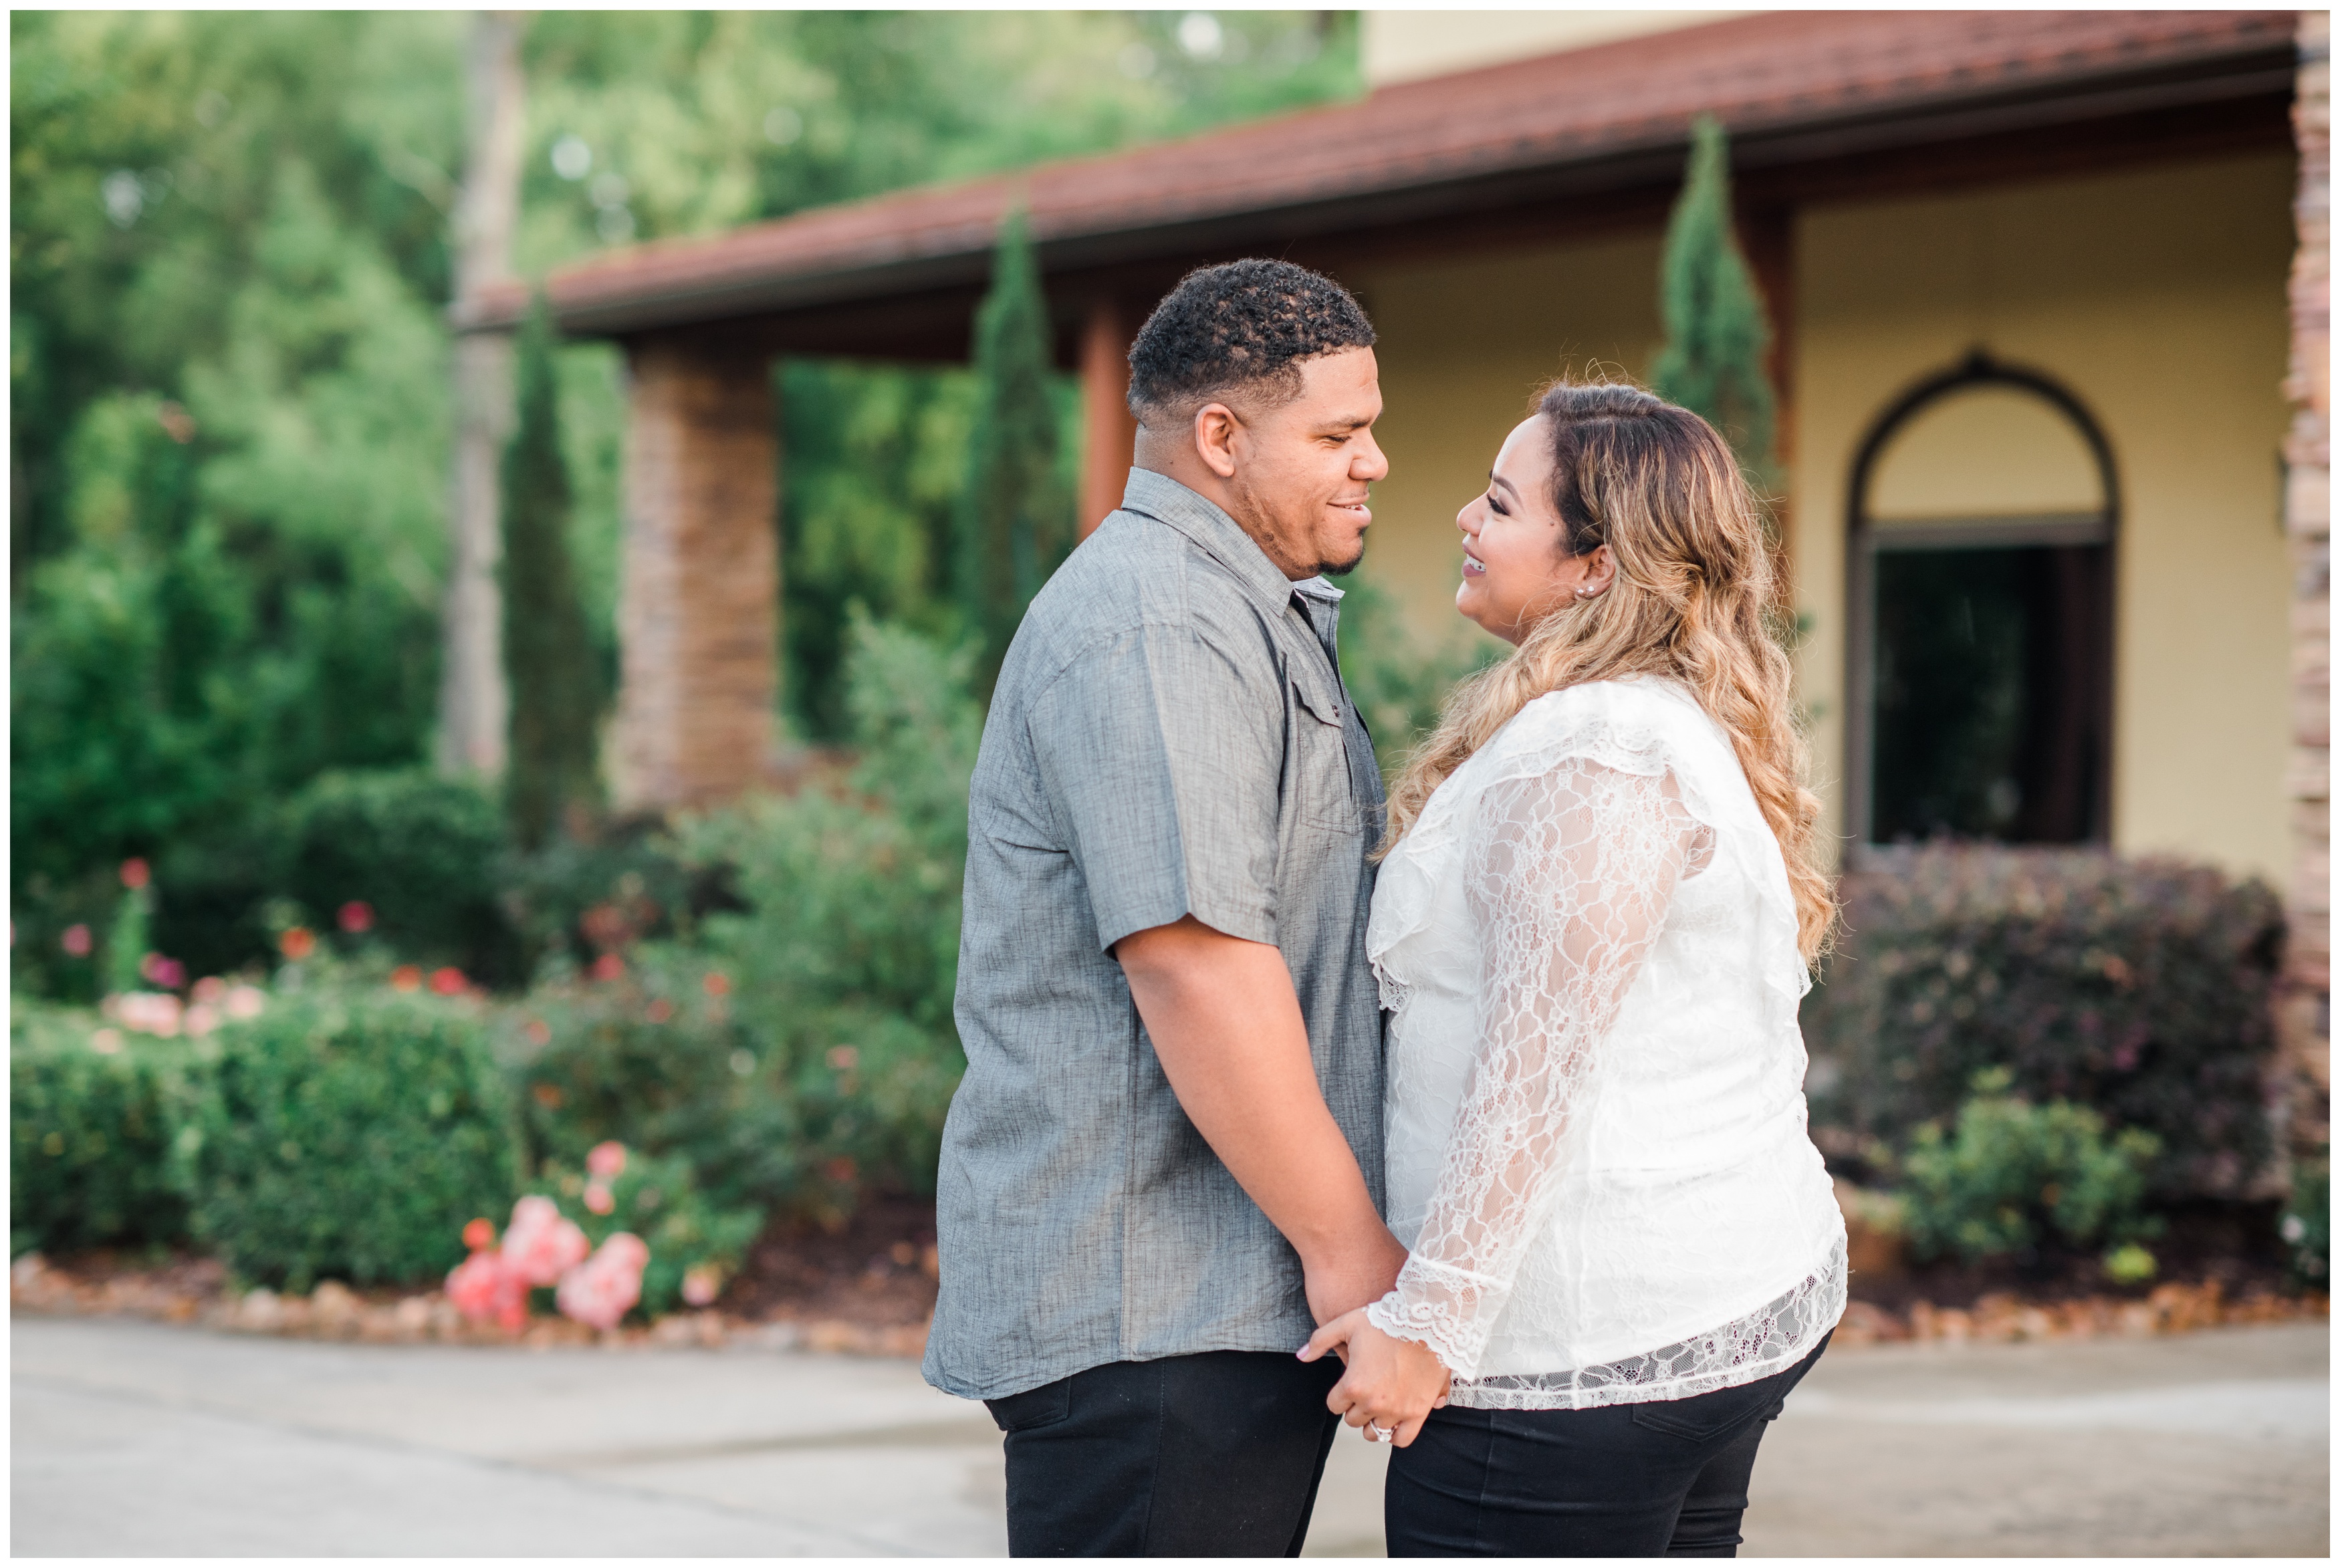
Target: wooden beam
[1109, 433]
[699, 610]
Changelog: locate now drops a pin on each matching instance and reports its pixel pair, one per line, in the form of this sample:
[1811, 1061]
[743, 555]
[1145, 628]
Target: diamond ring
[1377, 1433]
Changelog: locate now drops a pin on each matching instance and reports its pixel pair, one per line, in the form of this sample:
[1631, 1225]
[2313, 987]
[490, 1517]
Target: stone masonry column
[2304, 1011]
[699, 610]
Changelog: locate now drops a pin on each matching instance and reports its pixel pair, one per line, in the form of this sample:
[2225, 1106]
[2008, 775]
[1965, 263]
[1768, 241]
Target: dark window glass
[1989, 680]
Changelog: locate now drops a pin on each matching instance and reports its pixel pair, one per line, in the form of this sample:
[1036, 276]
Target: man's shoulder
[1133, 576]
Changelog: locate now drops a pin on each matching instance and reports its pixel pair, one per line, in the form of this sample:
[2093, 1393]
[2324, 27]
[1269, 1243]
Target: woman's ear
[1600, 571]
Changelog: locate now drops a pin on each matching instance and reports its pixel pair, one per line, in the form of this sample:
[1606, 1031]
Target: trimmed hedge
[2012, 1174]
[89, 1134]
[348, 1135]
[2137, 988]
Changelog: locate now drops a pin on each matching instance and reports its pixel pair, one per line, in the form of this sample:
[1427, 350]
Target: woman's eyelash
[1496, 505]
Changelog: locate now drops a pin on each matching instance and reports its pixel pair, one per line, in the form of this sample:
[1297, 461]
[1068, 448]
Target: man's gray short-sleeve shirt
[1169, 736]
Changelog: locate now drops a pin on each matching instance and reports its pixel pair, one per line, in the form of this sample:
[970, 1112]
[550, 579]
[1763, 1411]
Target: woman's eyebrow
[1494, 478]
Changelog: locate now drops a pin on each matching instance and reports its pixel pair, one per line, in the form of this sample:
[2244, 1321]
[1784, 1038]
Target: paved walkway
[133, 1439]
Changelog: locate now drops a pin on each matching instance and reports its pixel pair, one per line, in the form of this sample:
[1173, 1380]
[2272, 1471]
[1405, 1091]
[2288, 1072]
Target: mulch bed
[868, 1287]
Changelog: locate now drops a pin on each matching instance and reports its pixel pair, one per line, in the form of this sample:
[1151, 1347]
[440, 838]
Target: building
[2050, 290]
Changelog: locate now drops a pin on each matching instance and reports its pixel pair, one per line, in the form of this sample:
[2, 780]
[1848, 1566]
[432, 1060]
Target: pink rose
[606, 1160]
[483, 1285]
[599, 1291]
[541, 1245]
[599, 1198]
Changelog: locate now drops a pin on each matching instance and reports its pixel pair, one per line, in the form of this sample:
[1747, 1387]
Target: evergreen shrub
[425, 852]
[90, 1112]
[2136, 988]
[846, 958]
[347, 1134]
[2011, 1174]
[657, 1060]
[2306, 1223]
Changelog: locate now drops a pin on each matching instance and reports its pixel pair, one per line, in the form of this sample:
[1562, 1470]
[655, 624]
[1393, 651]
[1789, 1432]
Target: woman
[1592, 928]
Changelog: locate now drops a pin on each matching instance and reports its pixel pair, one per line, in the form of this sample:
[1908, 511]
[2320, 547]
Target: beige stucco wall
[2156, 296]
[1464, 346]
[1406, 45]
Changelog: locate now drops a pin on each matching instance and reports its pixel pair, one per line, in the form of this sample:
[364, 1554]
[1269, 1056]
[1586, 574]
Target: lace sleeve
[1568, 875]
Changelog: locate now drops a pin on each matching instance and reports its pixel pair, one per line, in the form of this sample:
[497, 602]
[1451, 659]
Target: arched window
[1984, 512]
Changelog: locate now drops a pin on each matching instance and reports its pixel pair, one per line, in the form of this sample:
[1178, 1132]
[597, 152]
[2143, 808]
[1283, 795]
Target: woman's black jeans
[1666, 1479]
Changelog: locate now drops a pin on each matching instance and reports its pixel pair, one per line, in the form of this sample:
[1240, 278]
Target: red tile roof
[1779, 73]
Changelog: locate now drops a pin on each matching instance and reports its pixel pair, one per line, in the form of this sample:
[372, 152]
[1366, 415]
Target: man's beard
[1291, 547]
[1335, 568]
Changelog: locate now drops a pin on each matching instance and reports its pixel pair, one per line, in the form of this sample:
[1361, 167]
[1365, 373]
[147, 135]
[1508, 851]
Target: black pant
[1665, 1479]
[1210, 1456]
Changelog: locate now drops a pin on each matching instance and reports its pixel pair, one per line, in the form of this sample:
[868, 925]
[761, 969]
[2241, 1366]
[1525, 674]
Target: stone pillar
[1109, 434]
[698, 611]
[2304, 1010]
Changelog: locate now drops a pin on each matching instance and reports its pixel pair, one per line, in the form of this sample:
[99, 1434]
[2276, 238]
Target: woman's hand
[1391, 1384]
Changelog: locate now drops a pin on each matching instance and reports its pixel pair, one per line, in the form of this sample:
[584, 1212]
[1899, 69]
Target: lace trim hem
[1764, 1342]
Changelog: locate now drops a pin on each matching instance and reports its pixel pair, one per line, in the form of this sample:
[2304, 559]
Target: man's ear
[1215, 425]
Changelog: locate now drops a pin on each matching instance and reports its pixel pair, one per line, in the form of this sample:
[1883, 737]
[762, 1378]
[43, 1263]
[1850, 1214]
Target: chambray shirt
[1169, 736]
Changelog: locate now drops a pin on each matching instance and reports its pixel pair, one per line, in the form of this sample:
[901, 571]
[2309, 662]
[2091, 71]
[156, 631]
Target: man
[1163, 1167]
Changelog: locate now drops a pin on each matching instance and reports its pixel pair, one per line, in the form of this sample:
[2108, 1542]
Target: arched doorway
[1985, 509]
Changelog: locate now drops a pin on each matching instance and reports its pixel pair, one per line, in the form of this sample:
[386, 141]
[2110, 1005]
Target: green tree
[1014, 521]
[1717, 334]
[549, 653]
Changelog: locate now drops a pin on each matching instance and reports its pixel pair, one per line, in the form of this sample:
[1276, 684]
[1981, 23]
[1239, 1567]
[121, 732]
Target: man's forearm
[1227, 1029]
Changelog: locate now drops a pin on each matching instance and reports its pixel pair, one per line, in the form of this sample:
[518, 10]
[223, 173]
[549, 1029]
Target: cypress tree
[556, 695]
[1717, 332]
[1013, 524]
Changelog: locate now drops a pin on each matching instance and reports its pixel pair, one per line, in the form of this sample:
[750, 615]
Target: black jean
[1210, 1456]
[1665, 1479]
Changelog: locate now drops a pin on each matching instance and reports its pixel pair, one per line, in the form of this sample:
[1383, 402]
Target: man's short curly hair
[1240, 325]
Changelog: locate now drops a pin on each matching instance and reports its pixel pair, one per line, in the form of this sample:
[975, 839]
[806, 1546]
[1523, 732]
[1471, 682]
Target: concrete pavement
[129, 1438]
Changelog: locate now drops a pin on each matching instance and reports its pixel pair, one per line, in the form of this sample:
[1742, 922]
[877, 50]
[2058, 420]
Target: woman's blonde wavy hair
[1658, 486]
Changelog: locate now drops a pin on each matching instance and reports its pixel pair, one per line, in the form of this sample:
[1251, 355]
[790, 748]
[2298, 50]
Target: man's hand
[1227, 1027]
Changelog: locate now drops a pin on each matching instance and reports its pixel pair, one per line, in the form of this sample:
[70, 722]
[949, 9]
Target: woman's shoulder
[1635, 714]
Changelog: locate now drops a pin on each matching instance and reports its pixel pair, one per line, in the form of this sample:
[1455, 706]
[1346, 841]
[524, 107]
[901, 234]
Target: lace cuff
[1451, 1310]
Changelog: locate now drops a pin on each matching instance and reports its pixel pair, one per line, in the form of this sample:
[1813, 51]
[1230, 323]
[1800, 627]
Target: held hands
[1391, 1383]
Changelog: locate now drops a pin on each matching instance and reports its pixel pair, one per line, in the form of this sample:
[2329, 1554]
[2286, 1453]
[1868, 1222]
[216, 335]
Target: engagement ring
[1375, 1433]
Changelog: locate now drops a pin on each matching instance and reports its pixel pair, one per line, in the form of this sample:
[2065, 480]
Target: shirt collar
[1165, 500]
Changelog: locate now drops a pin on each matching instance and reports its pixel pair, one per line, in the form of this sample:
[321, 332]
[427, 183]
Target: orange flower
[659, 1011]
[297, 943]
[609, 966]
[447, 981]
[717, 983]
[480, 1235]
[406, 976]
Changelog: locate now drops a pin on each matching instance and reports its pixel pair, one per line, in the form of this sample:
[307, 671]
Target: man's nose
[1371, 462]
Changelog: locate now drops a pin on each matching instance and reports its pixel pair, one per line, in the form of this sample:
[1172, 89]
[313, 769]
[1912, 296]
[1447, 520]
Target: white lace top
[1597, 1147]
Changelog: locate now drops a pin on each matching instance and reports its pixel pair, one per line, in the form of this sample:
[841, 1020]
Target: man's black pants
[1210, 1456]
[1666, 1479]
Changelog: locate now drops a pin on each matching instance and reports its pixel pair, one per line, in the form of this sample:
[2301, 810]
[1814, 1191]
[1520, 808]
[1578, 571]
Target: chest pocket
[1323, 790]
